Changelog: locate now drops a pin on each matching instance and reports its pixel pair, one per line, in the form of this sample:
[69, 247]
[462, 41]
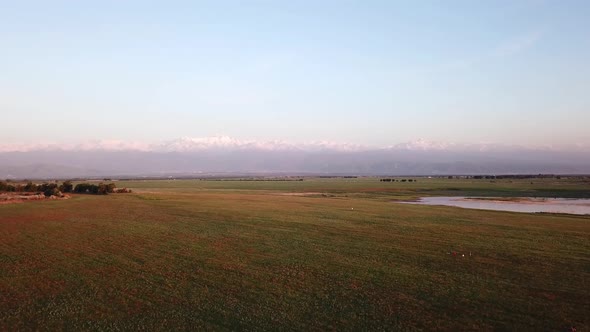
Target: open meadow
[317, 254]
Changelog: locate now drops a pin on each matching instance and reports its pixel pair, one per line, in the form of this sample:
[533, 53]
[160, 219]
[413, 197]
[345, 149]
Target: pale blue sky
[365, 72]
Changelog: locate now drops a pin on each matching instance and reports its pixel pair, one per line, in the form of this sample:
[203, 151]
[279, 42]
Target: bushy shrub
[66, 187]
[52, 192]
[5, 186]
[100, 189]
[30, 187]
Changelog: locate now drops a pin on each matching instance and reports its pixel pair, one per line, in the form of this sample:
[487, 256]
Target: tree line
[50, 189]
[399, 180]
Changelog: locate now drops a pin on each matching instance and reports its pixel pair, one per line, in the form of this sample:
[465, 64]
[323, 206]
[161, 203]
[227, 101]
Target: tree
[52, 192]
[83, 188]
[66, 187]
[30, 187]
[49, 189]
[101, 188]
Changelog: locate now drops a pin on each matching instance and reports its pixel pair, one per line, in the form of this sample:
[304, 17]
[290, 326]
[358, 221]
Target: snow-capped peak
[195, 144]
[423, 145]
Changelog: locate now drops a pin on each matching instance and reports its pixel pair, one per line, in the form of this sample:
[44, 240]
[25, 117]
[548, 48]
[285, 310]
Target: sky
[365, 72]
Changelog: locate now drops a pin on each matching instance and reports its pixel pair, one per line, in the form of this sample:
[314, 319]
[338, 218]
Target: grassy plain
[243, 255]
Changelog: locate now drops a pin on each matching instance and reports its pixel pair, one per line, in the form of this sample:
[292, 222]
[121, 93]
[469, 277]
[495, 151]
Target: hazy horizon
[196, 156]
[183, 144]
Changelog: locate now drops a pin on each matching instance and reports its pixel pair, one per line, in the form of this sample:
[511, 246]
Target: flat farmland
[318, 254]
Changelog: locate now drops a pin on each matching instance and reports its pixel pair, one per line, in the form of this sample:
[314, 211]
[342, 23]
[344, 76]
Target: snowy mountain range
[223, 154]
[188, 144]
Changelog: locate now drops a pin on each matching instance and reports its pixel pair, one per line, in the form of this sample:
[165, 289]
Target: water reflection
[514, 204]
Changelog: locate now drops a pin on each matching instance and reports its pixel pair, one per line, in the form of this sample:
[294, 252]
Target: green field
[251, 255]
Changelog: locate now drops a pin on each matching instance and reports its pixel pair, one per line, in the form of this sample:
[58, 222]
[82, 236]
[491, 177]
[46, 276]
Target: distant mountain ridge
[227, 155]
[187, 144]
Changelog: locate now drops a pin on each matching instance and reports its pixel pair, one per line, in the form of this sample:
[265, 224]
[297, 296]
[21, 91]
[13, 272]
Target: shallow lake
[514, 204]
